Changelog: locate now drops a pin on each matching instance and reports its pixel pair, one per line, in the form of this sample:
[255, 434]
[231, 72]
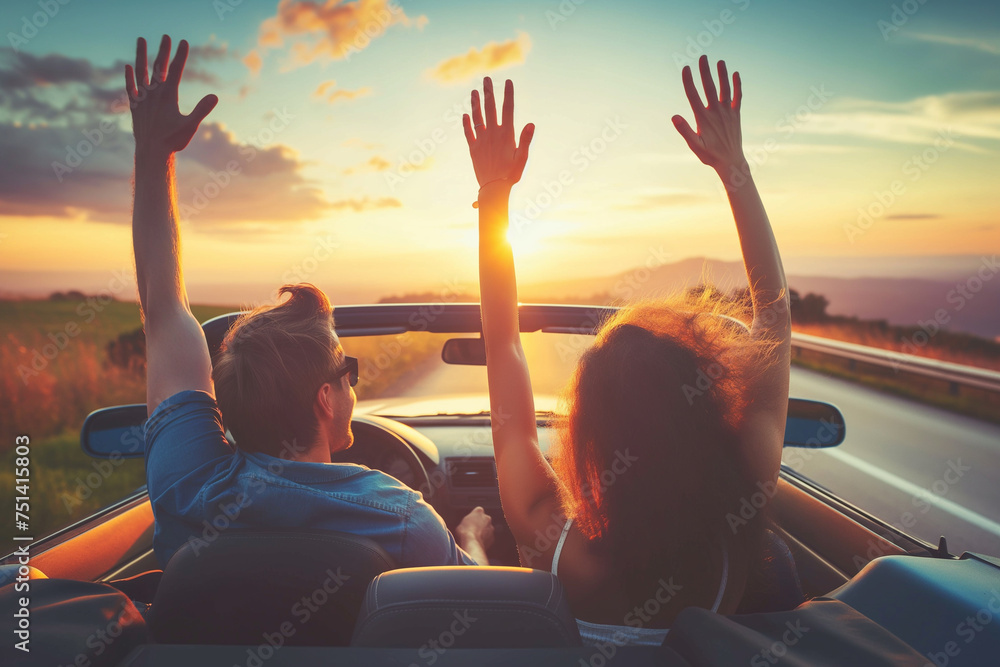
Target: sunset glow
[338, 135]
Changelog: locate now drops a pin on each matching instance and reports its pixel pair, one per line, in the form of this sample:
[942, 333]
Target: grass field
[54, 371]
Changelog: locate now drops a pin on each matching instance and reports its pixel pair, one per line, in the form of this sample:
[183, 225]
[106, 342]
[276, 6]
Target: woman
[686, 409]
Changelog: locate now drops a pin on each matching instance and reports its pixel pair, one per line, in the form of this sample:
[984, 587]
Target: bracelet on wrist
[475, 204]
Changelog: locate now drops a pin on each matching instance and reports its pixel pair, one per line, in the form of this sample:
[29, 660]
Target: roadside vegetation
[62, 358]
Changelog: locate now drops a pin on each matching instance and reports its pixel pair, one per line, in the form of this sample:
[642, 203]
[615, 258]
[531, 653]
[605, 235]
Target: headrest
[297, 587]
[466, 607]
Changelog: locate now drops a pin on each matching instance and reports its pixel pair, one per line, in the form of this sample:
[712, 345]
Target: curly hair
[663, 385]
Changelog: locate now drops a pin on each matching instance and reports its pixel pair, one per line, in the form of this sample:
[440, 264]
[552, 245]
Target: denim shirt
[200, 486]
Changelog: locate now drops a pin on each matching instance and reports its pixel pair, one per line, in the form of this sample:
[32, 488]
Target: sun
[523, 242]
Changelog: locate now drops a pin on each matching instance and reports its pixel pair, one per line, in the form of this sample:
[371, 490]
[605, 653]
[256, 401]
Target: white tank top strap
[725, 578]
[559, 546]
[722, 583]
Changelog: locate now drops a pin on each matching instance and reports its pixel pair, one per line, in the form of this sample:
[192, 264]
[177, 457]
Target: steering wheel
[379, 447]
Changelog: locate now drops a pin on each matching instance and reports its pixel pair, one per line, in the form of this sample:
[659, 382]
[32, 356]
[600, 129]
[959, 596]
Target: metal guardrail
[956, 374]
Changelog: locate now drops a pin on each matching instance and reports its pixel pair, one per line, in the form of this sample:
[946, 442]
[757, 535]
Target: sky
[336, 153]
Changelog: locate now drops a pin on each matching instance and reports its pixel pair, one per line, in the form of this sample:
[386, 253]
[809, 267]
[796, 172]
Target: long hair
[649, 453]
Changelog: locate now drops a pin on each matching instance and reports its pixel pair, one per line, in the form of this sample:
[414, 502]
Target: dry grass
[943, 346]
[48, 397]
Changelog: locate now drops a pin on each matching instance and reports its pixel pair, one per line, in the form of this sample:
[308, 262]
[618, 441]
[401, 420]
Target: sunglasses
[350, 366]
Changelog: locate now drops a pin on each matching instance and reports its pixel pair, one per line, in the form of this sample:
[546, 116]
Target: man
[283, 383]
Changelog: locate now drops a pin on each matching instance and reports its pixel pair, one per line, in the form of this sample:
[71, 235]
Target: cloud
[493, 56]
[366, 203]
[58, 89]
[209, 51]
[355, 142]
[376, 163]
[253, 62]
[914, 216]
[968, 116]
[220, 181]
[985, 46]
[222, 184]
[647, 202]
[24, 70]
[67, 154]
[331, 30]
[328, 91]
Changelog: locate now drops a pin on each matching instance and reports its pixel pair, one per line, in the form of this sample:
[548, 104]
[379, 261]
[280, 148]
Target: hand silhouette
[719, 139]
[160, 128]
[495, 157]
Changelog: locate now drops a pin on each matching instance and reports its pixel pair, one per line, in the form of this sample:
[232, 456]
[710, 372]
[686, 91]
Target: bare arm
[475, 535]
[177, 355]
[719, 144]
[528, 486]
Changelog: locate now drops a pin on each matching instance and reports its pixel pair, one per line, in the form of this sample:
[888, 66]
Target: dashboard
[448, 459]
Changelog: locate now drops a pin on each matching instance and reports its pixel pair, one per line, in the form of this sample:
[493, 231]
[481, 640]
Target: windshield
[404, 375]
[922, 495]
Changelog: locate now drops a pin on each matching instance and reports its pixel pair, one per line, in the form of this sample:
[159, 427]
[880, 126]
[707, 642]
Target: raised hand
[160, 128]
[719, 140]
[495, 157]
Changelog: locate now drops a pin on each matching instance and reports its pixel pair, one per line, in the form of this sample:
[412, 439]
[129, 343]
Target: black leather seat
[436, 608]
[299, 588]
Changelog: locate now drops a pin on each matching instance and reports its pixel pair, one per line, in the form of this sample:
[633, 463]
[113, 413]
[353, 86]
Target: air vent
[473, 473]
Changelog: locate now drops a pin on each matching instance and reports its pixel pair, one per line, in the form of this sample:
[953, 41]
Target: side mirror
[813, 424]
[114, 433]
[464, 351]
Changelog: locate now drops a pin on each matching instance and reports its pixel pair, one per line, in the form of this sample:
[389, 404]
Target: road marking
[916, 490]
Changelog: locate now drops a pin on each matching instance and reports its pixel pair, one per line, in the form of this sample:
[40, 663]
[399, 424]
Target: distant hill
[899, 298]
[902, 301]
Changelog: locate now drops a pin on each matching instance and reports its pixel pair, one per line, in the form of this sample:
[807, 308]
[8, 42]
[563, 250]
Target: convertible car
[843, 586]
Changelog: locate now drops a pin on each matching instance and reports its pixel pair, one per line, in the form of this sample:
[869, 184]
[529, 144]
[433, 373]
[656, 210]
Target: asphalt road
[927, 471]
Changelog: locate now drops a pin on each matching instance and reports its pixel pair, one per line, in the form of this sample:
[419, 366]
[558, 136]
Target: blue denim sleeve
[185, 444]
[428, 542]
